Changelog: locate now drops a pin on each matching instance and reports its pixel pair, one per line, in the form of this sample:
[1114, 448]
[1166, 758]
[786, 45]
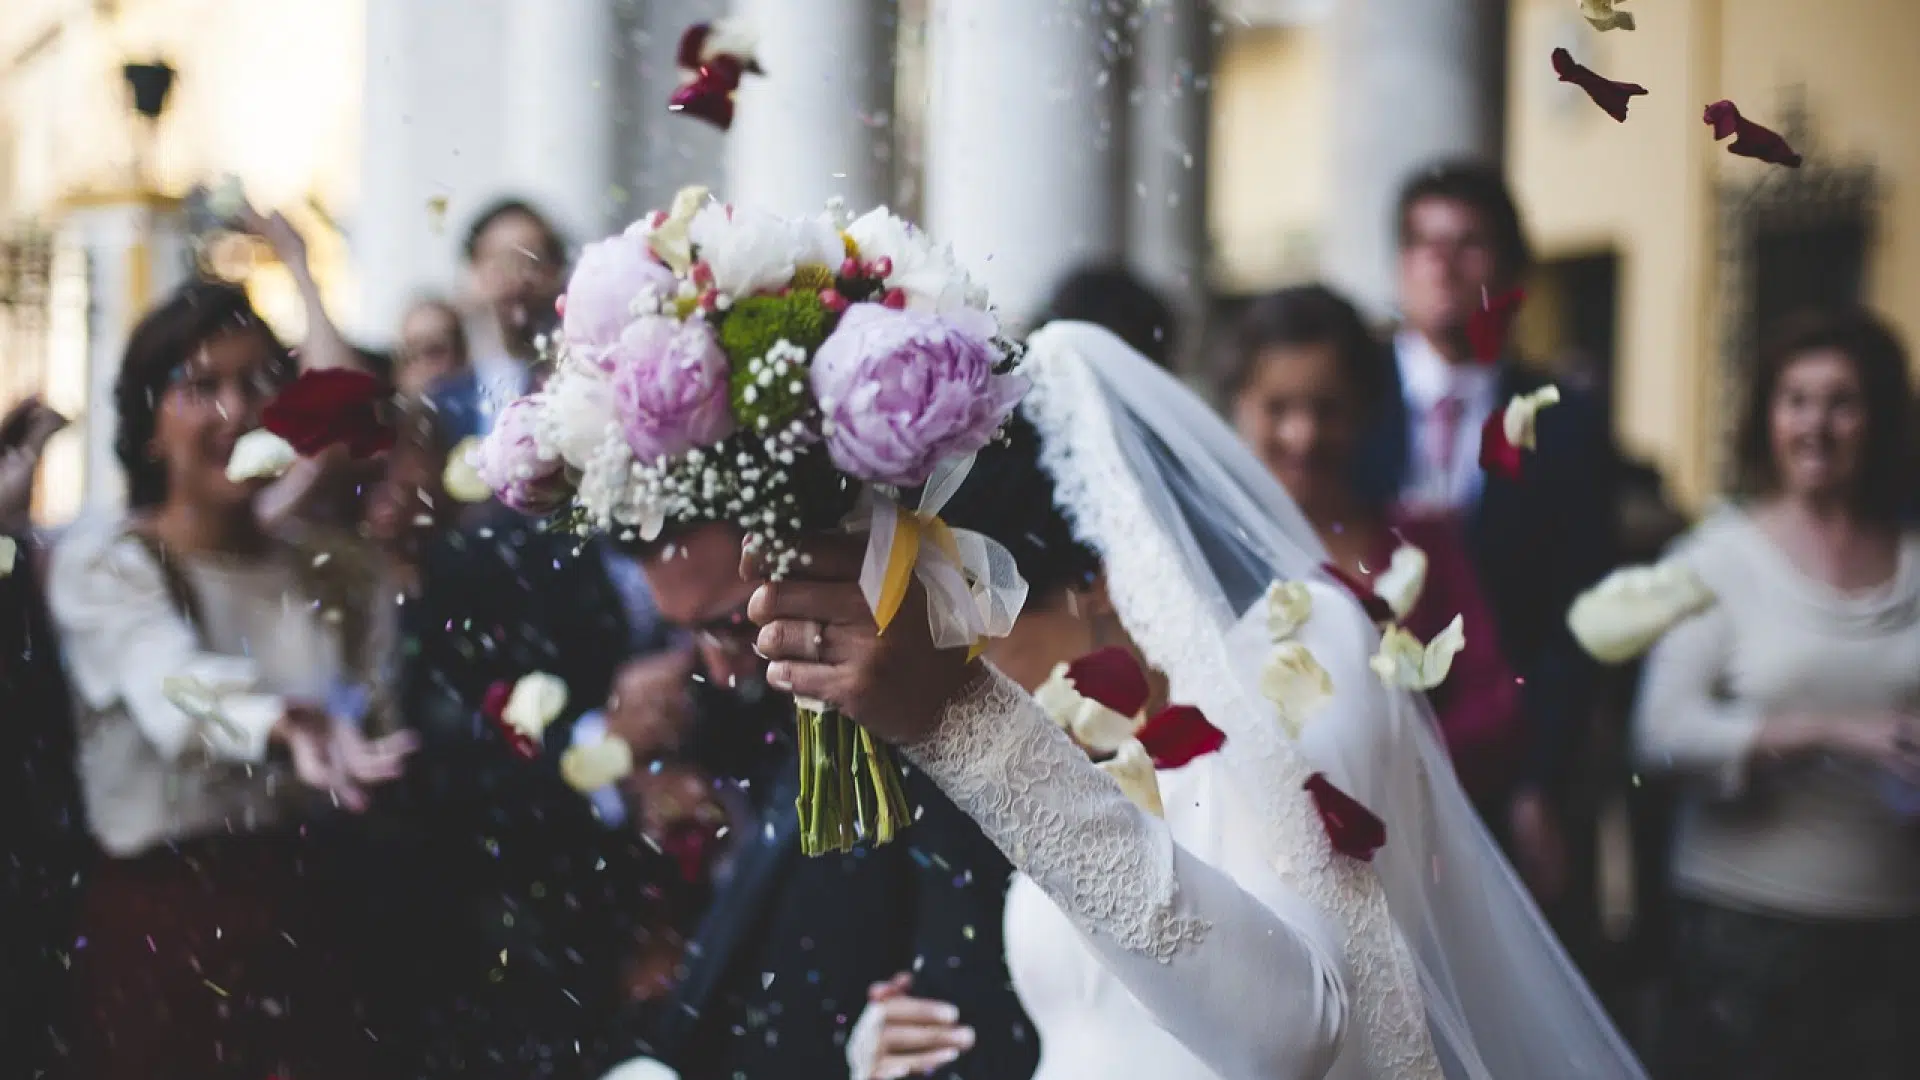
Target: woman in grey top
[1793, 705]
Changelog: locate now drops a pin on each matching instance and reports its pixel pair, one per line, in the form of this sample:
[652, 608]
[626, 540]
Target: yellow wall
[1646, 189]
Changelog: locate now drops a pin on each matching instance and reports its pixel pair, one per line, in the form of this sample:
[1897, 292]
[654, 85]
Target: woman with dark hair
[205, 654]
[1307, 380]
[1793, 704]
[1200, 918]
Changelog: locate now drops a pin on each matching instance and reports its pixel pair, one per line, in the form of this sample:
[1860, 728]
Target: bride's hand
[819, 635]
[899, 1035]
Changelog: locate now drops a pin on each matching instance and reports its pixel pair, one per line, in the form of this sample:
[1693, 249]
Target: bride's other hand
[899, 1035]
[819, 637]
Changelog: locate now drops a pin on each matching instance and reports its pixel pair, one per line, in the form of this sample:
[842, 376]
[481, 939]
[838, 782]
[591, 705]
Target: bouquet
[786, 376]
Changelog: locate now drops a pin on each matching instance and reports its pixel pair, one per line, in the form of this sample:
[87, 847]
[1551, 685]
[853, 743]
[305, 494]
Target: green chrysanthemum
[768, 340]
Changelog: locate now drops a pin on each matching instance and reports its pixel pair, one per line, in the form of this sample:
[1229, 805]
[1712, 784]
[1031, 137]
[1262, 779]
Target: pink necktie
[1443, 437]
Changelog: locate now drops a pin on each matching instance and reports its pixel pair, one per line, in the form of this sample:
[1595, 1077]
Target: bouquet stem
[850, 787]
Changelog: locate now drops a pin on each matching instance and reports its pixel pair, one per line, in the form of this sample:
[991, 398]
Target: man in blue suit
[1537, 540]
[518, 263]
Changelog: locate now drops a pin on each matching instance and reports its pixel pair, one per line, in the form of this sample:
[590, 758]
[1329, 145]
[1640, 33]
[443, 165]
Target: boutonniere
[1631, 608]
[1353, 829]
[521, 711]
[1509, 432]
[328, 407]
[260, 455]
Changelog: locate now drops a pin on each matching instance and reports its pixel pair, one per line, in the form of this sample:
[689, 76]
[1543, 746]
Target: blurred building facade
[1221, 149]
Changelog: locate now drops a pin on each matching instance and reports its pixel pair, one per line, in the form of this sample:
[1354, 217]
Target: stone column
[1414, 81]
[562, 94]
[1171, 114]
[817, 125]
[1024, 149]
[662, 152]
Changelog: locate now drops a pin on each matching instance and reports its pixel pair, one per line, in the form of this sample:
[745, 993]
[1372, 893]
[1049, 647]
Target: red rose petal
[1177, 734]
[708, 93]
[1113, 677]
[328, 407]
[1497, 455]
[1353, 829]
[1375, 606]
[1487, 328]
[1609, 95]
[1749, 139]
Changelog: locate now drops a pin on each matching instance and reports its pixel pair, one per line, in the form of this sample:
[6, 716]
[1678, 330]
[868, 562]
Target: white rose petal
[1603, 16]
[1623, 616]
[1522, 412]
[460, 479]
[1405, 577]
[591, 766]
[9, 553]
[731, 37]
[537, 700]
[1289, 606]
[1295, 682]
[1132, 769]
[1402, 661]
[260, 455]
[670, 240]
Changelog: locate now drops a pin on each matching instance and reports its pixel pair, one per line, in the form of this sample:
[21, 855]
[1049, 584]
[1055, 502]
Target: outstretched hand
[821, 641]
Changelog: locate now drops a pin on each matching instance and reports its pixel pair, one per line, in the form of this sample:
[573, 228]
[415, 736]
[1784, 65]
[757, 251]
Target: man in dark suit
[781, 964]
[1538, 540]
[517, 262]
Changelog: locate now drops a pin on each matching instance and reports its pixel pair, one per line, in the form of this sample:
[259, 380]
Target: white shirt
[1428, 378]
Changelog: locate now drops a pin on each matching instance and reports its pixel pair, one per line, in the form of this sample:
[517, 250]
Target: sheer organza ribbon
[974, 589]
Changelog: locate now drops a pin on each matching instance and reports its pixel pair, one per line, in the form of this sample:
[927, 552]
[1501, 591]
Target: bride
[1231, 939]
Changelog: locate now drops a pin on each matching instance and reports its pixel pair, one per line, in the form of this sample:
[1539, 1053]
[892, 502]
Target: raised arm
[1187, 941]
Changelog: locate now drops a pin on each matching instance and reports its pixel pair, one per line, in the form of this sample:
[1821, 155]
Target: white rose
[1132, 769]
[817, 242]
[576, 414]
[536, 701]
[1517, 423]
[9, 552]
[1295, 682]
[749, 251]
[1405, 577]
[1623, 616]
[260, 455]
[1091, 724]
[1289, 606]
[591, 766]
[1402, 661]
[460, 479]
[929, 275]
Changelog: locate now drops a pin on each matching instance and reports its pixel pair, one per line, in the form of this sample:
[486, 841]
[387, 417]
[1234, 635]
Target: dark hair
[1480, 186]
[1112, 297]
[445, 307]
[1880, 361]
[1009, 496]
[167, 336]
[556, 252]
[377, 363]
[1307, 315]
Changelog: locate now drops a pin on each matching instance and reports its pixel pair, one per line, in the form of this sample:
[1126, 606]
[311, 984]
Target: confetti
[1749, 139]
[1611, 96]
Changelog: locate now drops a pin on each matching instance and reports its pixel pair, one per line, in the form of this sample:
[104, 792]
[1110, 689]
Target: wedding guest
[1307, 379]
[39, 808]
[1793, 707]
[433, 346]
[204, 652]
[781, 963]
[1538, 540]
[516, 267]
[1114, 297]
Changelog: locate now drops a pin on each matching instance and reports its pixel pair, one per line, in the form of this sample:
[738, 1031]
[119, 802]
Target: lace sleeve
[1180, 935]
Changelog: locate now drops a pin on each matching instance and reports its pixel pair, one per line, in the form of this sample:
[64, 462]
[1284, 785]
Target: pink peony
[904, 390]
[509, 461]
[670, 386]
[612, 273]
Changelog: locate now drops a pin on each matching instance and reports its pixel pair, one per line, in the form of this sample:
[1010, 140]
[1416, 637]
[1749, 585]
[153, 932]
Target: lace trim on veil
[1145, 578]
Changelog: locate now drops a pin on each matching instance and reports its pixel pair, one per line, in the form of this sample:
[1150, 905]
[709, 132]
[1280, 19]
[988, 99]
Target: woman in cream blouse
[204, 654]
[1792, 703]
